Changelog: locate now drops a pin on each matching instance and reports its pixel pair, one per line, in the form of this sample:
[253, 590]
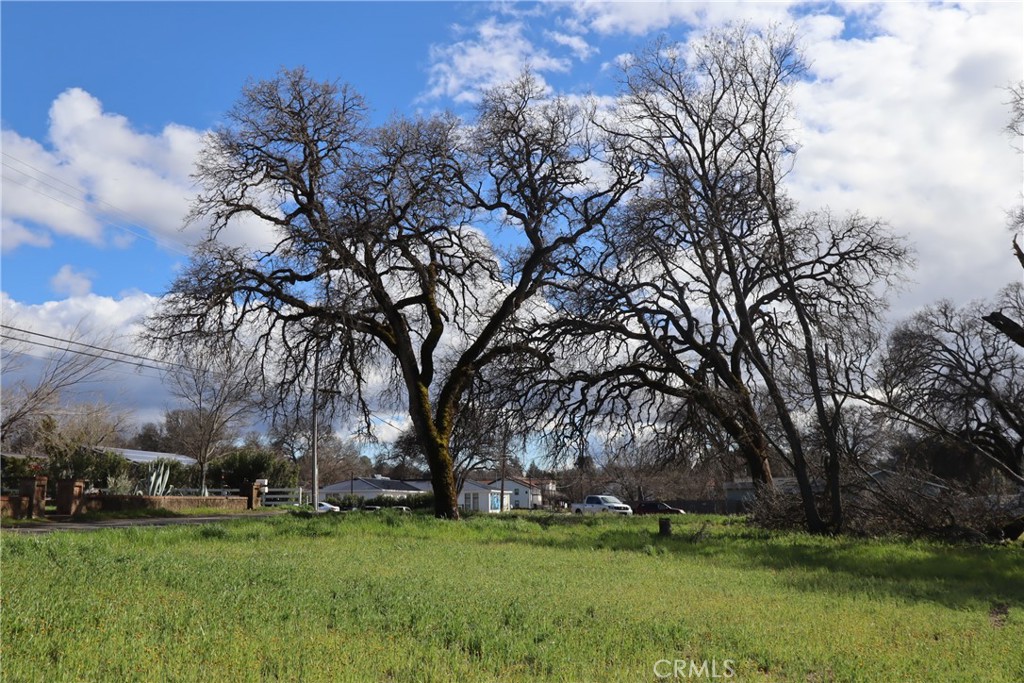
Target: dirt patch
[997, 615]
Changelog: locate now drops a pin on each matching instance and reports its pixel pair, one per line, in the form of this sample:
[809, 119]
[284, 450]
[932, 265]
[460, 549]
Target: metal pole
[504, 454]
[316, 430]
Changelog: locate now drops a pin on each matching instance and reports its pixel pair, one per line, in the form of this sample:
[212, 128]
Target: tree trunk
[442, 477]
[203, 466]
[434, 439]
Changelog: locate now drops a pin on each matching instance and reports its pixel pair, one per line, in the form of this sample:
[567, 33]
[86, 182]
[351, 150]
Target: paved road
[47, 527]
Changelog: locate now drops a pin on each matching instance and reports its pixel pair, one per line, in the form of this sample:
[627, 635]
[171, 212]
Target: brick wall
[172, 503]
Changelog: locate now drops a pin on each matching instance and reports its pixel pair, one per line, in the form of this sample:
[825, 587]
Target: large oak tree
[382, 263]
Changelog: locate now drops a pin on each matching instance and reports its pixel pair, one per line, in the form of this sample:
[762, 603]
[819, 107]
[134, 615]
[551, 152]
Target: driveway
[47, 527]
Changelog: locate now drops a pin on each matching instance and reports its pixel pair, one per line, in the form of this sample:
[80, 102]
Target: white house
[482, 497]
[371, 487]
[523, 494]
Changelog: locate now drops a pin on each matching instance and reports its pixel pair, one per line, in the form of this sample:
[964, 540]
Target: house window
[517, 492]
[476, 501]
[465, 500]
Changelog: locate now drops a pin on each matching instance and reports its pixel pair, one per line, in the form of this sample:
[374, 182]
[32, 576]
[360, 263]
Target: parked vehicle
[656, 507]
[327, 507]
[371, 508]
[595, 504]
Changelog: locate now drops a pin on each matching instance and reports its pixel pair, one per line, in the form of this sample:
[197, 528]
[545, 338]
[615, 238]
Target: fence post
[70, 496]
[33, 489]
[251, 493]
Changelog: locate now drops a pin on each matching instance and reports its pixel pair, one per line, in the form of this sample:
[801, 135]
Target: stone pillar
[33, 490]
[70, 496]
[251, 493]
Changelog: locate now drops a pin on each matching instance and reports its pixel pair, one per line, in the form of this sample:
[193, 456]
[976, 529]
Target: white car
[595, 504]
[327, 507]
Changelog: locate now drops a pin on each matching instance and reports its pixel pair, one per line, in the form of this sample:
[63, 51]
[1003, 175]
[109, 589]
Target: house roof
[481, 486]
[517, 480]
[374, 484]
[147, 457]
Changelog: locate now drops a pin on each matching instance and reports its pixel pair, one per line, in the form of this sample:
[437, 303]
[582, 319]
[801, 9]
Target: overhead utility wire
[81, 353]
[134, 356]
[77, 195]
[41, 356]
[134, 362]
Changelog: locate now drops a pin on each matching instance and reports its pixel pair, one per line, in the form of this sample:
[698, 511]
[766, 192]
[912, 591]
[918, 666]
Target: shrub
[247, 464]
[906, 504]
[349, 500]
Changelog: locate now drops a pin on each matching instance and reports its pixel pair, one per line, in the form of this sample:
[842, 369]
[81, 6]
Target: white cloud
[14, 234]
[42, 196]
[495, 53]
[103, 182]
[901, 119]
[67, 282]
[581, 49]
[103, 321]
[648, 18]
[87, 313]
[906, 125]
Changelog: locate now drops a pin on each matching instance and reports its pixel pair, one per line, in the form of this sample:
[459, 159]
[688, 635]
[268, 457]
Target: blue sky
[104, 106]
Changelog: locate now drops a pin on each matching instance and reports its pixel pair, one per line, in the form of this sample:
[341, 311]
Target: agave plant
[157, 481]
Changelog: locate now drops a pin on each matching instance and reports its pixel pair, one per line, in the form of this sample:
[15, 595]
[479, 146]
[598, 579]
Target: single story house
[371, 487]
[481, 497]
[524, 494]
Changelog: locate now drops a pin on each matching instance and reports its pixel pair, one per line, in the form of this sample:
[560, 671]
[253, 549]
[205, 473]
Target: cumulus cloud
[68, 282]
[900, 117]
[905, 124]
[107, 322]
[646, 18]
[580, 48]
[102, 181]
[494, 52]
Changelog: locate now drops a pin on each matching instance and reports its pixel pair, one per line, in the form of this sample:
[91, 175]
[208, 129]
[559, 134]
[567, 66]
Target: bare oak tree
[218, 390]
[710, 291]
[381, 267]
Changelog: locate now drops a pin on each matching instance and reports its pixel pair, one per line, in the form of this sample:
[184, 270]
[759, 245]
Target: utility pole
[501, 504]
[504, 456]
[316, 429]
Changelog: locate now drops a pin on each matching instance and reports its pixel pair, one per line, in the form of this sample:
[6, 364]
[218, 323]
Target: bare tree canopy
[381, 266]
[709, 291]
[950, 375]
[218, 389]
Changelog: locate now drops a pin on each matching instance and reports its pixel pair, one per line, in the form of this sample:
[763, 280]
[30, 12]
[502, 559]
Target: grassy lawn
[408, 598]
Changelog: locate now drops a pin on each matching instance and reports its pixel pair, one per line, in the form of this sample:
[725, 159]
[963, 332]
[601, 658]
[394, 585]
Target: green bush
[13, 469]
[420, 501]
[349, 500]
[249, 463]
[83, 462]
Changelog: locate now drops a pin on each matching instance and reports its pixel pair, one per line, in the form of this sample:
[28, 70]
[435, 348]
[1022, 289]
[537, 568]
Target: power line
[94, 347]
[80, 352]
[45, 357]
[136, 360]
[78, 196]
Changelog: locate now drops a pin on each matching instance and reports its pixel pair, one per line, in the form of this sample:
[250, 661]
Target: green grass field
[391, 598]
